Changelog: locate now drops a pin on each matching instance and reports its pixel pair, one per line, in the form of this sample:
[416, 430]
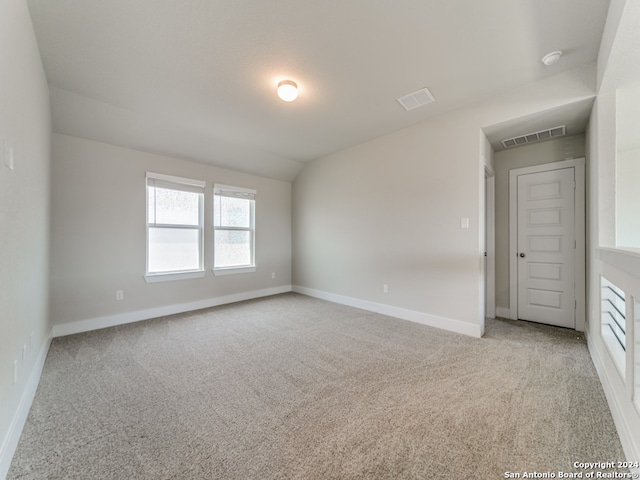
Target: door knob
[522, 255]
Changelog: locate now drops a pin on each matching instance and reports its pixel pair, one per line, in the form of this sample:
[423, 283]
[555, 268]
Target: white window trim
[220, 271]
[233, 270]
[170, 276]
[153, 277]
[173, 179]
[219, 186]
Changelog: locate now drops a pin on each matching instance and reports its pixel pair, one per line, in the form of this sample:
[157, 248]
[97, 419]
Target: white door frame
[490, 243]
[580, 234]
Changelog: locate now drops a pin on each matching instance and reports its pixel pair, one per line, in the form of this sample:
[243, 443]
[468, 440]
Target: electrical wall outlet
[119, 294]
[385, 288]
[273, 274]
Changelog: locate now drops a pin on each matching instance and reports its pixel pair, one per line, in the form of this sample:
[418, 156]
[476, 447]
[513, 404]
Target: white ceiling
[573, 116]
[196, 79]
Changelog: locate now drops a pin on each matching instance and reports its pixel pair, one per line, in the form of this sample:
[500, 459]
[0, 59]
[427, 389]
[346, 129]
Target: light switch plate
[464, 222]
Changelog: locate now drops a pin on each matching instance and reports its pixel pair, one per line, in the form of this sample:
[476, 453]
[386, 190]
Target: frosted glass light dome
[288, 90]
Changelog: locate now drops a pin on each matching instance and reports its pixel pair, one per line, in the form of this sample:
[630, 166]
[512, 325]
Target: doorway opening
[547, 243]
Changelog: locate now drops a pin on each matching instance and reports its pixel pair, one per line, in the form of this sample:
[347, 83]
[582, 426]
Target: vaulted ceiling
[197, 79]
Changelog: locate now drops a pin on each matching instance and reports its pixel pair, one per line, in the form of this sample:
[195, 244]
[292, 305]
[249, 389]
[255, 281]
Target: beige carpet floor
[291, 387]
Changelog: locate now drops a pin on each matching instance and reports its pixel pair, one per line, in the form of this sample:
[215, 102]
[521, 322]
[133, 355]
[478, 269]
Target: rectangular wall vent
[416, 99]
[534, 137]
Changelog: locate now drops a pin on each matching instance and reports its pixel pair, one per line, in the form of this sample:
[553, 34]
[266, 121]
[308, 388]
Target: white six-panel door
[545, 247]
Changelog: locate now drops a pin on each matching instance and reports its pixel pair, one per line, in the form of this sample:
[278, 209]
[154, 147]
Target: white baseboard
[11, 439]
[138, 315]
[443, 323]
[503, 312]
[627, 431]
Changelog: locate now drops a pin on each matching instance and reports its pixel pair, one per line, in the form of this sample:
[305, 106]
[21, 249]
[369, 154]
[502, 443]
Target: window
[234, 229]
[174, 227]
[613, 322]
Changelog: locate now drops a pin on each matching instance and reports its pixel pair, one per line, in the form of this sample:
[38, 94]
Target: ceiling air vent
[416, 99]
[535, 137]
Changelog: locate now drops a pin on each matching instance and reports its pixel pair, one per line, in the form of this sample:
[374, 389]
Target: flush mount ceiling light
[288, 90]
[551, 58]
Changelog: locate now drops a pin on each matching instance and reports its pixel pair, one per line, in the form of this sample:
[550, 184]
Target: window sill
[632, 250]
[168, 277]
[625, 259]
[233, 270]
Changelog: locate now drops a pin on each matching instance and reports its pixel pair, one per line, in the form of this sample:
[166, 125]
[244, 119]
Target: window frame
[189, 186]
[241, 192]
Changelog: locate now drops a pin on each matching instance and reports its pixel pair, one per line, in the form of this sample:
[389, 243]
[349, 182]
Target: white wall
[389, 211]
[25, 124]
[362, 220]
[628, 198]
[488, 154]
[615, 70]
[535, 154]
[98, 236]
[627, 165]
